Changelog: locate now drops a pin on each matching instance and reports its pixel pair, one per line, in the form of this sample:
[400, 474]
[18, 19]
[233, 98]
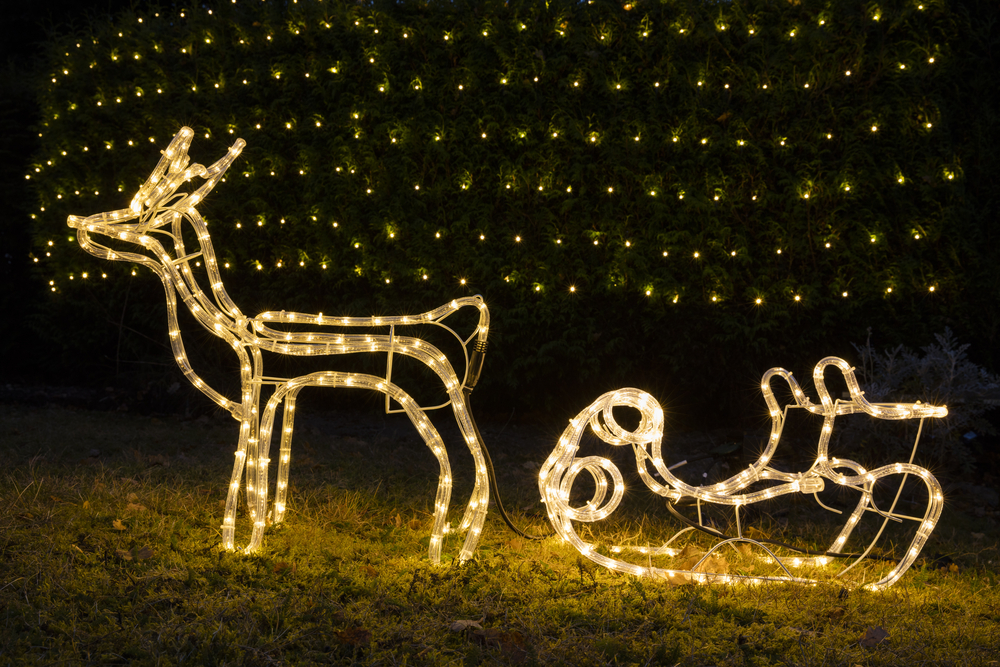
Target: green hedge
[672, 194]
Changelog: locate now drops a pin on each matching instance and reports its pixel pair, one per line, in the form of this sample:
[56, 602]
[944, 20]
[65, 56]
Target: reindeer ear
[214, 173]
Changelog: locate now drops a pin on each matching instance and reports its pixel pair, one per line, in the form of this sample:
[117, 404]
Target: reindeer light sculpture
[558, 474]
[154, 222]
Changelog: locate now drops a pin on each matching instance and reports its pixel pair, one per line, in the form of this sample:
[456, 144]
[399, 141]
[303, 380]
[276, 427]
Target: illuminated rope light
[561, 469]
[158, 212]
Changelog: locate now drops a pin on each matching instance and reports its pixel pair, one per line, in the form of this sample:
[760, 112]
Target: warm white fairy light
[562, 467]
[158, 213]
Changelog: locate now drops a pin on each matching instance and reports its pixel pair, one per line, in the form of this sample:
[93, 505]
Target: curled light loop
[601, 469]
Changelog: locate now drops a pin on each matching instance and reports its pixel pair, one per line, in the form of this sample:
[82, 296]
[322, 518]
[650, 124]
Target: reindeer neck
[220, 311]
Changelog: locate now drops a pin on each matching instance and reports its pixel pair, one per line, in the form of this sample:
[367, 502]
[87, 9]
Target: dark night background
[21, 35]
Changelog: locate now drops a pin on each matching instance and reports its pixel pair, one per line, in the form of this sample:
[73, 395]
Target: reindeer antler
[172, 171]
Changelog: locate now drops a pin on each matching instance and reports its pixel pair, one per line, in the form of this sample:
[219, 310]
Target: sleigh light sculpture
[154, 224]
[756, 483]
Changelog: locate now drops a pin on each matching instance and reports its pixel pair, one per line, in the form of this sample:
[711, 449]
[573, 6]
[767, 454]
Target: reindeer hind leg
[285, 454]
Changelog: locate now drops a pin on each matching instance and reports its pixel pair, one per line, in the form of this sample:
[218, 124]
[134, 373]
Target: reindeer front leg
[248, 435]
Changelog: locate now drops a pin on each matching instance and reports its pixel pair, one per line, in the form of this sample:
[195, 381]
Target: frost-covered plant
[940, 374]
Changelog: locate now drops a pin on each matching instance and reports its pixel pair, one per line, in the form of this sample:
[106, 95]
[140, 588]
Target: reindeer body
[157, 210]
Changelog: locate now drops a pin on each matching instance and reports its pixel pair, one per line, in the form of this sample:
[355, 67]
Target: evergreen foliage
[649, 193]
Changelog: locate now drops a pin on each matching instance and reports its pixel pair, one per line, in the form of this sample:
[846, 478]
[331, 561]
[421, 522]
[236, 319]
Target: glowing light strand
[157, 212]
[562, 467]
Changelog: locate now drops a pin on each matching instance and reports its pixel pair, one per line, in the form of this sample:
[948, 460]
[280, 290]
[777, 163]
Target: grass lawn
[109, 534]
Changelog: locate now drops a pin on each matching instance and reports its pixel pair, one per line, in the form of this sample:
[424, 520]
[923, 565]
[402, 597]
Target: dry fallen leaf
[715, 564]
[354, 636]
[511, 644]
[280, 567]
[132, 497]
[516, 543]
[141, 554]
[118, 525]
[133, 507]
[690, 550]
[873, 637]
[461, 626]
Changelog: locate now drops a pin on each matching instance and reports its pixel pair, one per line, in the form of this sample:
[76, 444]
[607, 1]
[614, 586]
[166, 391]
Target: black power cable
[493, 476]
[472, 377]
[808, 552]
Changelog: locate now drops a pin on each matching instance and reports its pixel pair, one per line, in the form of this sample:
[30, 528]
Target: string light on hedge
[603, 140]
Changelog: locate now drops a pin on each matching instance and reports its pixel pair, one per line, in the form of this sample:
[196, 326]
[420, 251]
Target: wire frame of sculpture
[154, 224]
[558, 474]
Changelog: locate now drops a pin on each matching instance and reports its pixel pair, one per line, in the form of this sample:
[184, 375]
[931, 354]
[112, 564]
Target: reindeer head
[156, 204]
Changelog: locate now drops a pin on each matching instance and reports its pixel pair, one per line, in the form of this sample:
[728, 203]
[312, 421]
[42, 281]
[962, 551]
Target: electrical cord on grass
[493, 478]
[472, 377]
[808, 552]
